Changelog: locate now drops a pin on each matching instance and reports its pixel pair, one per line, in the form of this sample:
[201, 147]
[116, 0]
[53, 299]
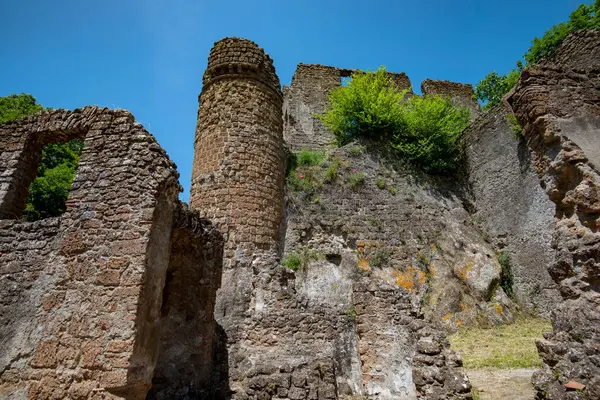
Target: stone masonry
[237, 179]
[511, 207]
[82, 294]
[557, 102]
[132, 294]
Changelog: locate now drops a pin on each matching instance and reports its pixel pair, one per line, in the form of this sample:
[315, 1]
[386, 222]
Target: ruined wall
[186, 362]
[81, 302]
[307, 95]
[461, 94]
[237, 178]
[562, 129]
[512, 208]
[402, 257]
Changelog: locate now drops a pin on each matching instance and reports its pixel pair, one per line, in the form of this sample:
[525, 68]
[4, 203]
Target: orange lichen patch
[363, 264]
[409, 279]
[464, 271]
[433, 271]
[499, 309]
[447, 317]
[421, 277]
[464, 307]
[459, 322]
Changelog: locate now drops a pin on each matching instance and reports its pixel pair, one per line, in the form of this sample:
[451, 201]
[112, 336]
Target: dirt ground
[502, 384]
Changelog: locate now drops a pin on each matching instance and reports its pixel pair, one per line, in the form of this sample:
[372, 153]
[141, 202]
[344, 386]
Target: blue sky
[148, 56]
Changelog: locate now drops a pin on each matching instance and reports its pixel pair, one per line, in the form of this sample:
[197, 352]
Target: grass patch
[300, 259]
[356, 180]
[332, 172]
[310, 158]
[357, 150]
[506, 346]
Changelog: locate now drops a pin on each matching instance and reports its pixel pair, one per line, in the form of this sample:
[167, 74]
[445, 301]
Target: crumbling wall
[82, 293]
[307, 96]
[237, 179]
[460, 94]
[557, 101]
[186, 363]
[416, 263]
[512, 208]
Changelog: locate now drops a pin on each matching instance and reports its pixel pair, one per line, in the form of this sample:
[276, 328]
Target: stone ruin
[133, 294]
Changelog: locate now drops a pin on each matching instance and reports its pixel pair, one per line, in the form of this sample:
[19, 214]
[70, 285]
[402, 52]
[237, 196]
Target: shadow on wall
[192, 358]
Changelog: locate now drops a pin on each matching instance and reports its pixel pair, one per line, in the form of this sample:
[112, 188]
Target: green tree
[425, 131]
[18, 106]
[584, 17]
[49, 191]
[493, 87]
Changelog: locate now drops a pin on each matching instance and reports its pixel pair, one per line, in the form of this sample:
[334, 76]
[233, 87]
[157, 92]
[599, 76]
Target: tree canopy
[49, 191]
[493, 87]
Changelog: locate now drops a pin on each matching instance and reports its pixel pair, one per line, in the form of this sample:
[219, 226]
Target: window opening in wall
[49, 190]
[346, 80]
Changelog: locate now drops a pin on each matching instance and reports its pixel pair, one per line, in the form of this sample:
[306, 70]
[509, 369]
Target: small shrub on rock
[356, 180]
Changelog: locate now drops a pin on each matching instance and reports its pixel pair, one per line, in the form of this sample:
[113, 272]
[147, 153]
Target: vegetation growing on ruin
[515, 126]
[505, 346]
[493, 87]
[356, 180]
[506, 276]
[425, 131]
[300, 259]
[49, 191]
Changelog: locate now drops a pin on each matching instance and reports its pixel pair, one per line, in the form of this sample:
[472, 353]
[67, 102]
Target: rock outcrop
[557, 101]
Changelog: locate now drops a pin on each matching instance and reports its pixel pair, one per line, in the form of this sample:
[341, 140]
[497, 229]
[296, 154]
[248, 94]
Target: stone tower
[238, 172]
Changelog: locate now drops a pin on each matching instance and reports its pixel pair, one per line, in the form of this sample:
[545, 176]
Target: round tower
[238, 172]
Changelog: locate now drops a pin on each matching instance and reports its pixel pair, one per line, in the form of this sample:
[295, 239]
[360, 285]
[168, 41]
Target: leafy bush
[368, 107]
[432, 129]
[49, 191]
[380, 182]
[425, 131]
[18, 106]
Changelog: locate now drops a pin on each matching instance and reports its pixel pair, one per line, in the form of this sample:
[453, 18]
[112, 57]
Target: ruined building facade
[133, 294]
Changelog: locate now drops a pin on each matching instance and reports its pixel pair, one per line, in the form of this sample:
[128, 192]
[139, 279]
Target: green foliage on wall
[493, 87]
[425, 131]
[584, 17]
[49, 191]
